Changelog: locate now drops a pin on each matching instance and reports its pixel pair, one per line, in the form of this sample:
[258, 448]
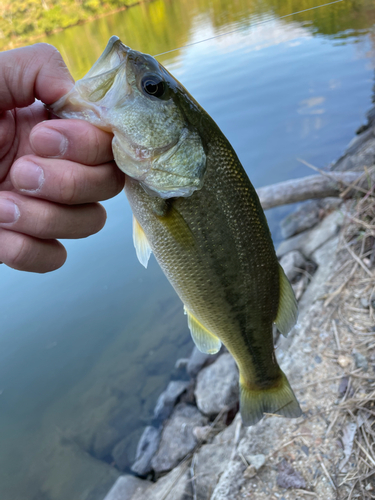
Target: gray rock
[209, 463]
[365, 302]
[305, 217]
[167, 400]
[292, 262]
[125, 451]
[309, 241]
[217, 386]
[174, 486]
[230, 482]
[257, 461]
[329, 204]
[198, 360]
[181, 363]
[146, 449]
[125, 487]
[361, 151]
[177, 438]
[360, 360]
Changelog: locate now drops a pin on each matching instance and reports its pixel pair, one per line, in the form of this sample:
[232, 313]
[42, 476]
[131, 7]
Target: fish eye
[154, 85]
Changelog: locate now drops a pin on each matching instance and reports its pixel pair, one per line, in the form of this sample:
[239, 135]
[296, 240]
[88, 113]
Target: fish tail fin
[279, 399]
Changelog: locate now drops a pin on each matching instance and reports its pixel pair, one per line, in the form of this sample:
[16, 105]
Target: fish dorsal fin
[288, 310]
[206, 341]
[142, 246]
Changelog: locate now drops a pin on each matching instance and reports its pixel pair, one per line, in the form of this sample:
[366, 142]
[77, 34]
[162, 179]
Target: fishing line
[241, 28]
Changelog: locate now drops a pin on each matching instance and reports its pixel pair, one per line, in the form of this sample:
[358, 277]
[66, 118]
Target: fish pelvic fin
[288, 309]
[205, 341]
[279, 400]
[142, 246]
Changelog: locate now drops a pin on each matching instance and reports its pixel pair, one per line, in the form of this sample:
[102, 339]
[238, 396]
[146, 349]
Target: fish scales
[232, 283]
[196, 210]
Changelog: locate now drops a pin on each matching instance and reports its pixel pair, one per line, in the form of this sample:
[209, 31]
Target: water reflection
[85, 351]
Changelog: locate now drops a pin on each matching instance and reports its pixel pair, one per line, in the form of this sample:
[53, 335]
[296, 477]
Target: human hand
[52, 173]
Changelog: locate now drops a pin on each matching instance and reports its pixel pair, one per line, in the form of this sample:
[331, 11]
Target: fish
[196, 210]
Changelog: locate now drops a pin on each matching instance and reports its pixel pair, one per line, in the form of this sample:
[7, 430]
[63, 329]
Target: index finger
[37, 71]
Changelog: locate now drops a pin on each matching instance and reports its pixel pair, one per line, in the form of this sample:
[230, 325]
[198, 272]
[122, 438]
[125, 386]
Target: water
[86, 350]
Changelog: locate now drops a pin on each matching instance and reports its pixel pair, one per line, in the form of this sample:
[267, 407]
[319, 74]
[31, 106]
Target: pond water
[85, 351]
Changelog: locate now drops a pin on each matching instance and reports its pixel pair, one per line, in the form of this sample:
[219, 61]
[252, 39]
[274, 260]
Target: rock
[202, 433]
[217, 386]
[309, 241]
[230, 482]
[365, 302]
[257, 461]
[181, 363]
[125, 451]
[177, 438]
[329, 204]
[174, 486]
[198, 360]
[292, 262]
[146, 449]
[360, 151]
[209, 463]
[167, 400]
[308, 215]
[360, 360]
[305, 217]
[125, 487]
[343, 360]
[299, 287]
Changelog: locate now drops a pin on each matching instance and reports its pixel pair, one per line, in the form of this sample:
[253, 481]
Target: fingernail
[27, 176]
[9, 212]
[47, 141]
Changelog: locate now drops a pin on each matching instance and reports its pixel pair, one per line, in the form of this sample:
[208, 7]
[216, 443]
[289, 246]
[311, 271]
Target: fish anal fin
[142, 246]
[205, 341]
[278, 400]
[288, 309]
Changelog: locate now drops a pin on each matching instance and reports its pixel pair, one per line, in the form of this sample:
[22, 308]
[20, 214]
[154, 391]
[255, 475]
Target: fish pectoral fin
[288, 309]
[279, 400]
[206, 341]
[142, 246]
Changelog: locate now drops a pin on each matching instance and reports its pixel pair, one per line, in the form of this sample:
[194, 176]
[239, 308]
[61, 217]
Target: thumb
[37, 71]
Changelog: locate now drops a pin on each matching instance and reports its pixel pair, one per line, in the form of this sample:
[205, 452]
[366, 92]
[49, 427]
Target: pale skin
[53, 172]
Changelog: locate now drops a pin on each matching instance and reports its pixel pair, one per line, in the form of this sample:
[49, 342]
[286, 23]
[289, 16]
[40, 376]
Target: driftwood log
[335, 184]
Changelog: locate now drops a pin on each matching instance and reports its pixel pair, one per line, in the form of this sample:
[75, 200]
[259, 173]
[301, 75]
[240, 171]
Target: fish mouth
[99, 88]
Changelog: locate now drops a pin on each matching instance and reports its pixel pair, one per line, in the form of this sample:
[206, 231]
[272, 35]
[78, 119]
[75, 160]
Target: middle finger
[75, 140]
[64, 181]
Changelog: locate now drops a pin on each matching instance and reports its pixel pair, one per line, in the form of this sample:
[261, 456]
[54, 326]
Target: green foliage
[22, 19]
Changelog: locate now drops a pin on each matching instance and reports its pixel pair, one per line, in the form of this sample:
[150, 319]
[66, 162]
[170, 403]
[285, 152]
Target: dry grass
[353, 328]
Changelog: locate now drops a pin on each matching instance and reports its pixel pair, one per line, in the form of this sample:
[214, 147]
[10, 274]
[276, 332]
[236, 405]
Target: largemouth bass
[196, 210]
